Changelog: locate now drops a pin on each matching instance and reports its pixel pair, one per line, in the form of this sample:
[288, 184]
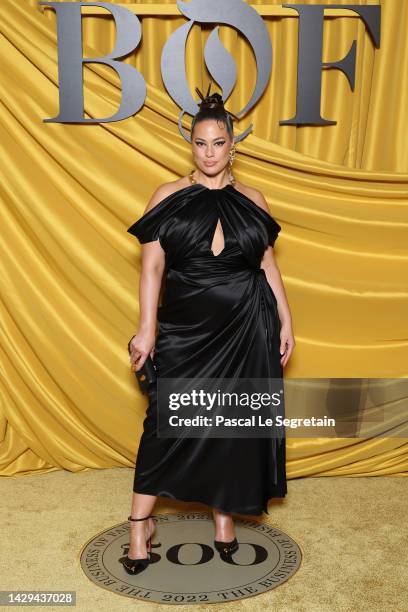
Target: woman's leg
[140, 531]
[224, 526]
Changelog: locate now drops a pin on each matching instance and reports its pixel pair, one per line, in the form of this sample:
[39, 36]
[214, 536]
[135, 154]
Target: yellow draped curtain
[69, 272]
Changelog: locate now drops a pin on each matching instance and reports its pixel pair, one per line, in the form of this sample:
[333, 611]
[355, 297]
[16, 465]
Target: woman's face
[211, 145]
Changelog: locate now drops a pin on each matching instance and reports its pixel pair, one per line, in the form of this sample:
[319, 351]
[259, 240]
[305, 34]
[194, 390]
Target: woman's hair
[212, 107]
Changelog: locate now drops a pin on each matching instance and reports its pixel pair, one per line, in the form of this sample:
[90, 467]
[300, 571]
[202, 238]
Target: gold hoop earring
[232, 155]
[230, 162]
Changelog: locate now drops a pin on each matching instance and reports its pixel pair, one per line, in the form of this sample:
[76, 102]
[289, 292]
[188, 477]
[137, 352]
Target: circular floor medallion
[184, 557]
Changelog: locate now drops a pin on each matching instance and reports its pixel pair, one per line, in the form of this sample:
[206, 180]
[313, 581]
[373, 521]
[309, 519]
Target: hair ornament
[213, 101]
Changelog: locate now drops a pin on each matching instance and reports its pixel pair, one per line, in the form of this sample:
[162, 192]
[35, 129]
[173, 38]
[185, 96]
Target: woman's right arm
[153, 264]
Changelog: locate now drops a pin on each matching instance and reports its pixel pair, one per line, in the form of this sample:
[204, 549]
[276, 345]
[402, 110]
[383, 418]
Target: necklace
[193, 180]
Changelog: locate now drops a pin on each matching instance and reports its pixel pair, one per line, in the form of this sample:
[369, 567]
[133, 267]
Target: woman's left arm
[273, 275]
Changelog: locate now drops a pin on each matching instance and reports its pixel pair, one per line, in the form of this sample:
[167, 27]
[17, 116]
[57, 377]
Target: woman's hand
[140, 346]
[287, 343]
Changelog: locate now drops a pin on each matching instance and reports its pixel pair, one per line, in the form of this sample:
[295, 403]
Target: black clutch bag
[146, 376]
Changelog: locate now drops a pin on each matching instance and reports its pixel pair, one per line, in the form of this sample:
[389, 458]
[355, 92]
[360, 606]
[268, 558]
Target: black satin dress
[218, 318]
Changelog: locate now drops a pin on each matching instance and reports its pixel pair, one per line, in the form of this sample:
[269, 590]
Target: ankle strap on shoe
[153, 516]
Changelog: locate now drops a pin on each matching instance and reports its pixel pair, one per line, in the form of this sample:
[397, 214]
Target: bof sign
[219, 62]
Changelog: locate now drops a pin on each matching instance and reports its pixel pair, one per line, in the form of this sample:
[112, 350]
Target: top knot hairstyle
[212, 107]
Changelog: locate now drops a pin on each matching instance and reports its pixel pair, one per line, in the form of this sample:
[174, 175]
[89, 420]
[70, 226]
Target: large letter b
[70, 62]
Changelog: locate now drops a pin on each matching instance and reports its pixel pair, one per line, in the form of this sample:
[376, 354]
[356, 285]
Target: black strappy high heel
[135, 566]
[226, 549]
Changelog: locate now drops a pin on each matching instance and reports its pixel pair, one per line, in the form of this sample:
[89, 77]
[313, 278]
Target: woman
[224, 313]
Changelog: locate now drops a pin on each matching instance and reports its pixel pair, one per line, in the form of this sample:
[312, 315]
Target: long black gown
[218, 318]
